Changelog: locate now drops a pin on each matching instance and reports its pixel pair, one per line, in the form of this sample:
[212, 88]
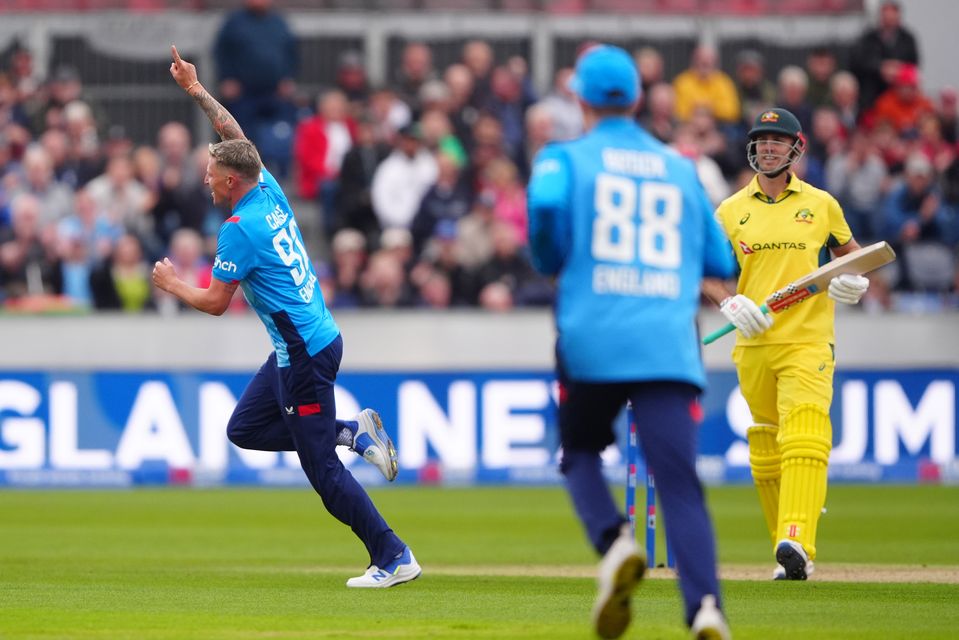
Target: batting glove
[745, 315]
[848, 288]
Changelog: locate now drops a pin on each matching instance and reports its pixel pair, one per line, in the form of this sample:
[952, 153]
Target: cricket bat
[857, 262]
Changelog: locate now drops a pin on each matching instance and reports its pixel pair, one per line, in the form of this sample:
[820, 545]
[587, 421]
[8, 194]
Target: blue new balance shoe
[401, 569]
[374, 445]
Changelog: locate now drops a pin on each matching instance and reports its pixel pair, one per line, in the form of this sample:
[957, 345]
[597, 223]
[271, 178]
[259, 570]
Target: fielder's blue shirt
[625, 224]
[260, 246]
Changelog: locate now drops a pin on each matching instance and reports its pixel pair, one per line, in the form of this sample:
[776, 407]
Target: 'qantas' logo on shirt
[774, 246]
[224, 265]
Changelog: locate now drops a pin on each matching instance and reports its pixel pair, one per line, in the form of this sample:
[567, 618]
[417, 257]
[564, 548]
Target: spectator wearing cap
[704, 85]
[402, 179]
[920, 226]
[880, 51]
[439, 261]
[903, 103]
[447, 200]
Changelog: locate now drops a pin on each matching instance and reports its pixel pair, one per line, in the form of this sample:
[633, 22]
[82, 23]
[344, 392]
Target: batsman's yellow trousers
[789, 390]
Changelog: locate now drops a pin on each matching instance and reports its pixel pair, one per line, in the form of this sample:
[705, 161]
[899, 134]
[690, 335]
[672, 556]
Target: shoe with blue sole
[374, 445]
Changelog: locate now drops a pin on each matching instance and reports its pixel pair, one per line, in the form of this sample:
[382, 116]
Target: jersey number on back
[654, 239]
[290, 249]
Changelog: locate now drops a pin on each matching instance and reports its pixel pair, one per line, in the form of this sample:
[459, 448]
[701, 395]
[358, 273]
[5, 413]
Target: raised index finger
[176, 54]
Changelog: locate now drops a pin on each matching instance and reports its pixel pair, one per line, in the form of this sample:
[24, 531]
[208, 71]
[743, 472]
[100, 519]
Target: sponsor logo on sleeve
[224, 265]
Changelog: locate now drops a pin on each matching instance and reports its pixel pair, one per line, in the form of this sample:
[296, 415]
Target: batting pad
[765, 462]
[805, 440]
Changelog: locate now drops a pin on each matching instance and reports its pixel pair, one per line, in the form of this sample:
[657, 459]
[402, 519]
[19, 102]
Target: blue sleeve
[718, 261]
[548, 197]
[235, 257]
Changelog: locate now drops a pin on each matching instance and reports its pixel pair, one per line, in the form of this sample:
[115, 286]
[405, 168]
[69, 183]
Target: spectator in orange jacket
[903, 104]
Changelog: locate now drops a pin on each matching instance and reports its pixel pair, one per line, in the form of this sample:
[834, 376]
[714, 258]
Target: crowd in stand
[412, 194]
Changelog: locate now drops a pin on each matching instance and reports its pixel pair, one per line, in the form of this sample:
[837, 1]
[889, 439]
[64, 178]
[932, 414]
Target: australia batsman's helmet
[779, 122]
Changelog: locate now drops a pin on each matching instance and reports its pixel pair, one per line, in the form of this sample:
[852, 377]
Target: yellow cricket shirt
[777, 242]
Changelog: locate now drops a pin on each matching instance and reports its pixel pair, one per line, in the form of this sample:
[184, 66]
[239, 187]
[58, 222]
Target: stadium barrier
[468, 398]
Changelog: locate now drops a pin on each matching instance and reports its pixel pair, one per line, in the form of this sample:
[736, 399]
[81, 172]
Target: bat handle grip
[719, 333]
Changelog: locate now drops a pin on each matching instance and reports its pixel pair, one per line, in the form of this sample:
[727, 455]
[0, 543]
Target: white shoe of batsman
[620, 571]
[373, 444]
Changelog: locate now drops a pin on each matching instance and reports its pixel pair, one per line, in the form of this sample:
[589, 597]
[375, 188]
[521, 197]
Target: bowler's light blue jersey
[624, 222]
[260, 247]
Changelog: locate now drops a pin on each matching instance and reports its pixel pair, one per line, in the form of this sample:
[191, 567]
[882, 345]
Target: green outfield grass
[498, 563]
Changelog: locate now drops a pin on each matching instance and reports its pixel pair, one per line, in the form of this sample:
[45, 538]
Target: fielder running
[289, 403]
[780, 228]
[625, 225]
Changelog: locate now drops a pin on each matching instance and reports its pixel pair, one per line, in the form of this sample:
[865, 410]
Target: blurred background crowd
[411, 192]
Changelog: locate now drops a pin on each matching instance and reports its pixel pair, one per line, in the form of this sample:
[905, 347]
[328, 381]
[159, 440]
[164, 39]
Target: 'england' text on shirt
[629, 281]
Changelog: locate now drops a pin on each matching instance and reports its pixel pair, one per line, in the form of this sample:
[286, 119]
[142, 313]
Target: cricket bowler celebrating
[289, 403]
[626, 227]
[779, 227]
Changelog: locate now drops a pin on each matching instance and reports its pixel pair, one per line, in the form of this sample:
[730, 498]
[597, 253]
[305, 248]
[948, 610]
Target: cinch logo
[804, 215]
[224, 265]
[769, 116]
[778, 246]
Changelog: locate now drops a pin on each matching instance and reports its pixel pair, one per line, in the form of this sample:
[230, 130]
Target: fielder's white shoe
[620, 571]
[794, 561]
[779, 573]
[402, 569]
[373, 444]
[710, 623]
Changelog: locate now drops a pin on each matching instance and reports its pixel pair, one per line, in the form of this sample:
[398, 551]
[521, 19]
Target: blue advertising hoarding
[116, 428]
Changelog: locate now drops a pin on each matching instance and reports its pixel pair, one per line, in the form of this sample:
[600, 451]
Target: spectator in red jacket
[319, 146]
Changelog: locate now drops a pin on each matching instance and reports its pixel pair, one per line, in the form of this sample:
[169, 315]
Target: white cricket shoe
[779, 573]
[373, 444]
[793, 559]
[620, 570]
[710, 623]
[402, 569]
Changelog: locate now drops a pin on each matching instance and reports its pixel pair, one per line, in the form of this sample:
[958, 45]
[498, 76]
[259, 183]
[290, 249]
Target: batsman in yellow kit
[781, 228]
